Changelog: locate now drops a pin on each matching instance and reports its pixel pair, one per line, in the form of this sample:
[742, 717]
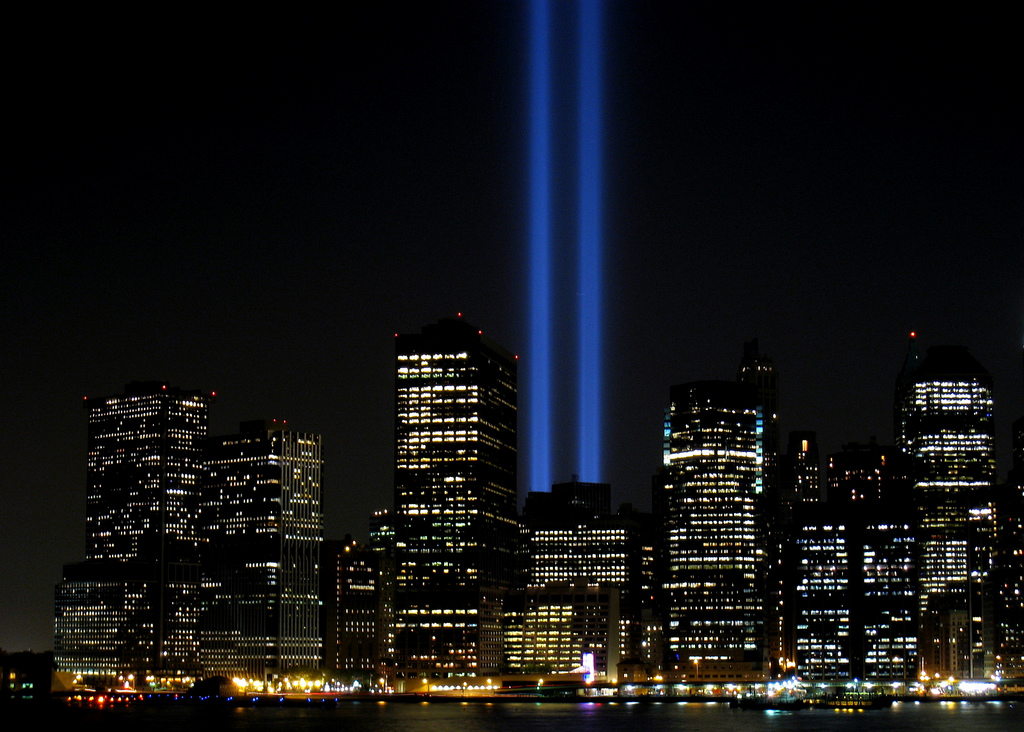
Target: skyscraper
[799, 484]
[758, 370]
[455, 499]
[262, 525]
[943, 421]
[715, 536]
[144, 474]
[1008, 582]
[855, 574]
[569, 536]
[1008, 575]
[353, 609]
[132, 608]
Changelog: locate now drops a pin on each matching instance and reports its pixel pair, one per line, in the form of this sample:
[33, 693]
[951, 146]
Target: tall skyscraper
[715, 536]
[262, 525]
[855, 573]
[382, 541]
[455, 499]
[758, 370]
[144, 474]
[943, 421]
[130, 612]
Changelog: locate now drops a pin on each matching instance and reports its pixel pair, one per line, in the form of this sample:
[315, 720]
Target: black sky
[254, 206]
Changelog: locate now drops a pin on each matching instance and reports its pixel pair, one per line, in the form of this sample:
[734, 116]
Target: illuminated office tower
[263, 530]
[856, 579]
[943, 421]
[856, 608]
[144, 474]
[570, 537]
[715, 538]
[823, 596]
[131, 611]
[455, 499]
[565, 623]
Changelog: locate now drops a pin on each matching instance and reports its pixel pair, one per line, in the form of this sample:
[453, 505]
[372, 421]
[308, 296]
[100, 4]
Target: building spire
[912, 359]
[911, 363]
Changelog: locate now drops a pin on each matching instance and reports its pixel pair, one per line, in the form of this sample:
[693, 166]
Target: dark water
[394, 717]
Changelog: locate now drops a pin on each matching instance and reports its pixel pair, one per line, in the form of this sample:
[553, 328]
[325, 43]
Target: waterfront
[593, 717]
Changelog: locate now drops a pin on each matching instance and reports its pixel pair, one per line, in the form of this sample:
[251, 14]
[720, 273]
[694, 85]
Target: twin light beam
[543, 251]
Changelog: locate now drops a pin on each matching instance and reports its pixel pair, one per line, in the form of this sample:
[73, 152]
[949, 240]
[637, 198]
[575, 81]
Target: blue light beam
[540, 246]
[590, 250]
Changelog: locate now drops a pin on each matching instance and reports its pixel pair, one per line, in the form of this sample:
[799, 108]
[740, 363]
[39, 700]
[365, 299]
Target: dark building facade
[262, 525]
[1008, 565]
[869, 472]
[130, 612]
[1017, 474]
[758, 370]
[801, 470]
[382, 541]
[1007, 581]
[25, 677]
[355, 636]
[455, 499]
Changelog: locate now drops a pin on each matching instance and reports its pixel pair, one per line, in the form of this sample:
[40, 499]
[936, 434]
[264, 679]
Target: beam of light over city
[590, 259]
[540, 247]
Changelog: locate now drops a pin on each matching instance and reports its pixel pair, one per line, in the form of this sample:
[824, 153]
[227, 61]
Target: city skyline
[260, 216]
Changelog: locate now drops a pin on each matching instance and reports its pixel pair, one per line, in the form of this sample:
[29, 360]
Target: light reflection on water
[604, 717]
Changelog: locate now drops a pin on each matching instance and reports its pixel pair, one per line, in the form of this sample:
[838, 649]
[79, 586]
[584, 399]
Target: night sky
[255, 205]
